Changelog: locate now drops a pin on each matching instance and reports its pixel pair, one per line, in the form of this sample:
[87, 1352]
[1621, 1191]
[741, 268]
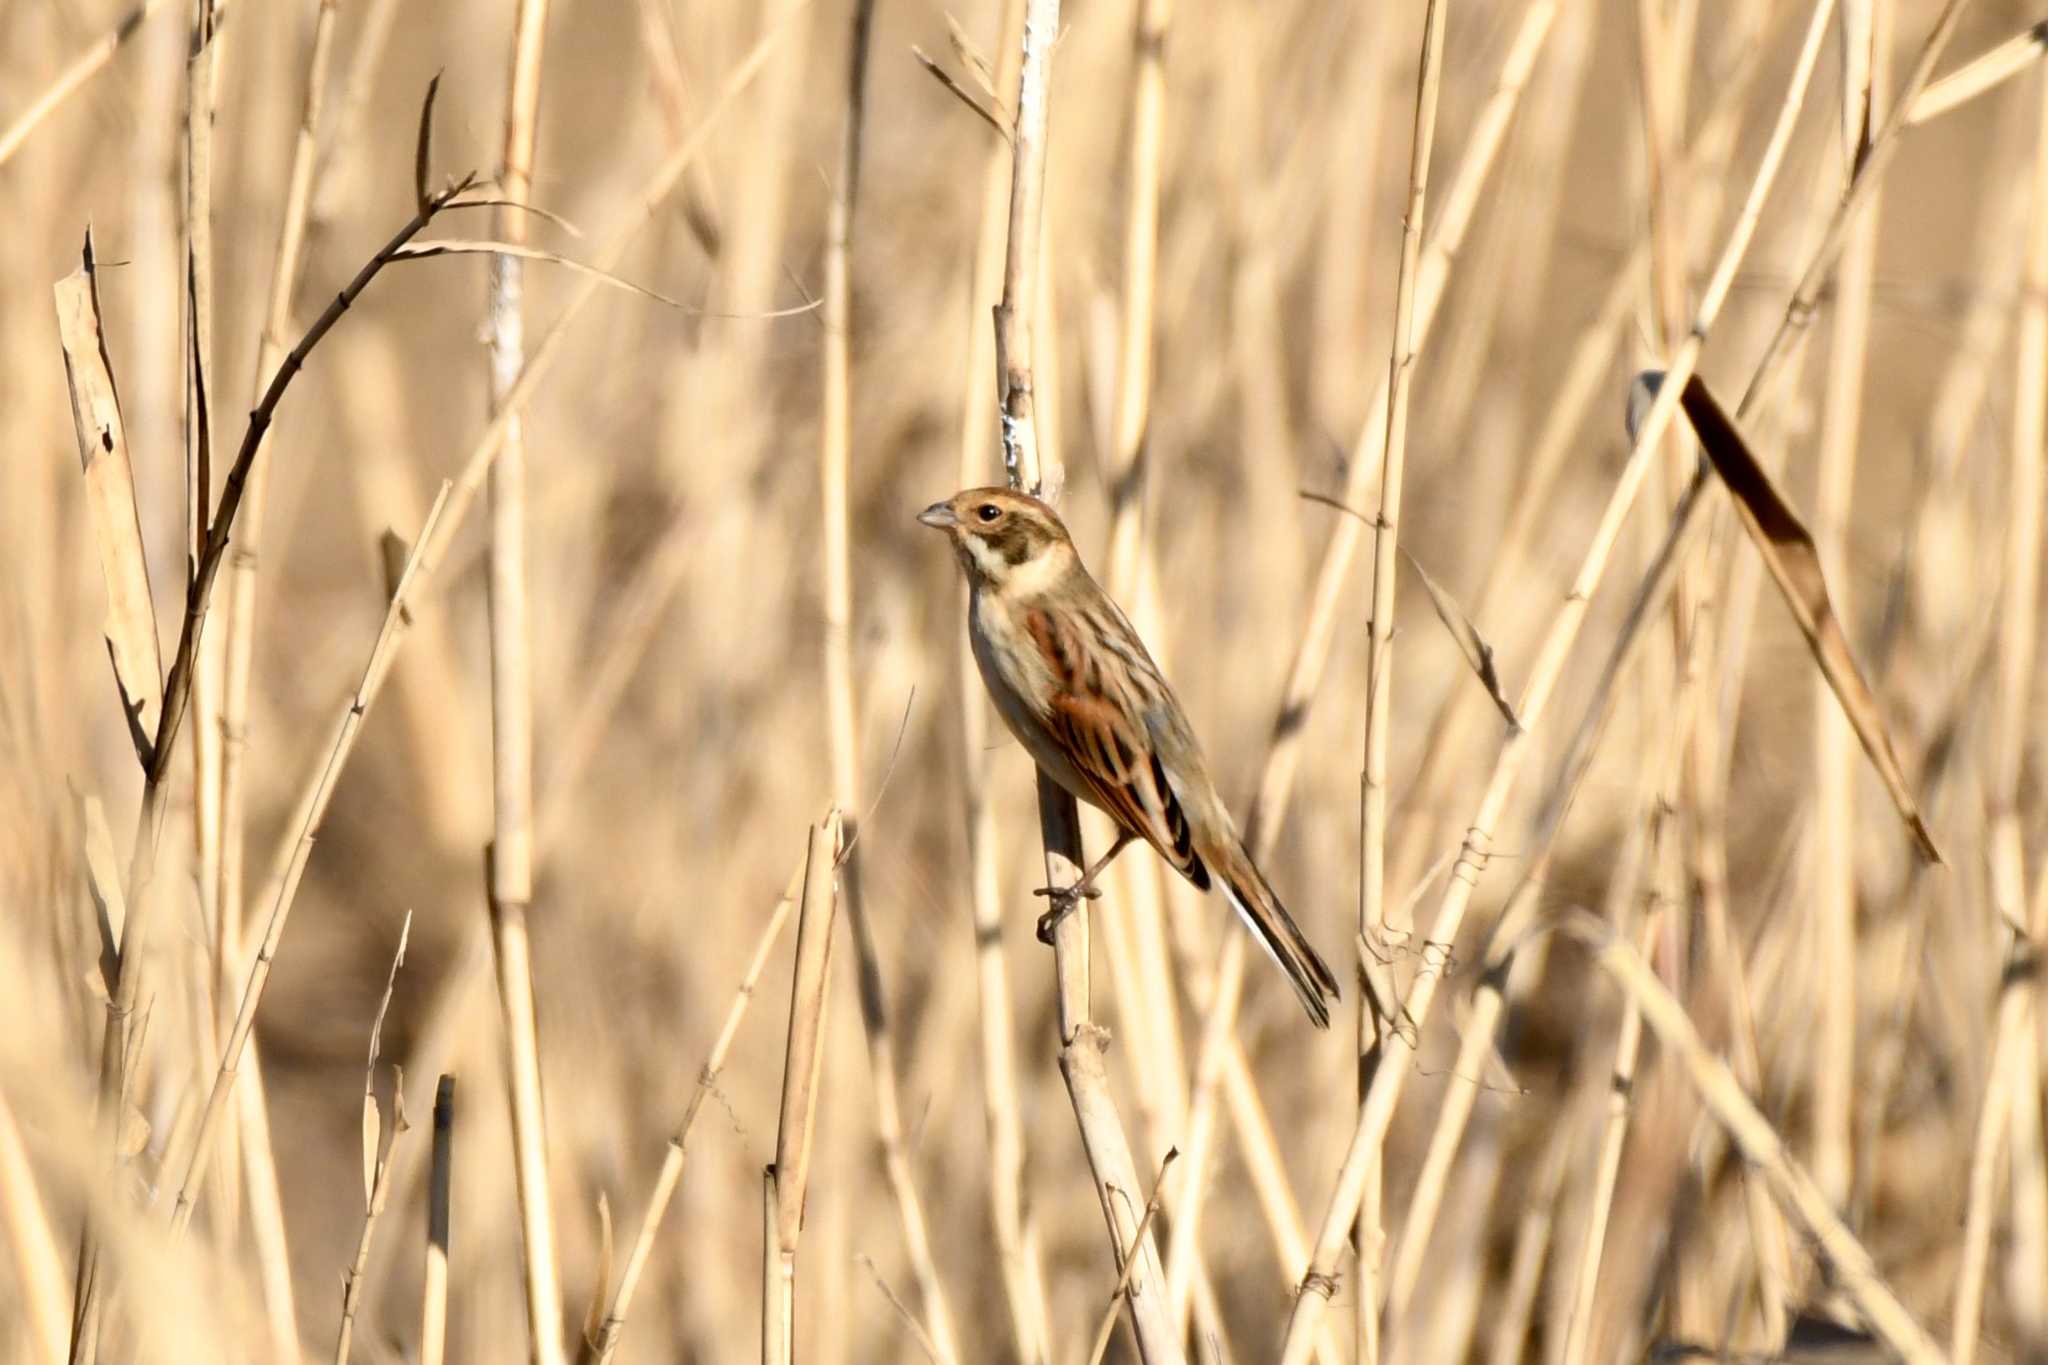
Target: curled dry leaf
[1478, 654]
[1794, 563]
[103, 879]
[110, 502]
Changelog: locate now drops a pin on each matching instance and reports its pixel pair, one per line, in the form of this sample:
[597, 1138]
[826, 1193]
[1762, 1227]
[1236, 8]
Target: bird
[1074, 683]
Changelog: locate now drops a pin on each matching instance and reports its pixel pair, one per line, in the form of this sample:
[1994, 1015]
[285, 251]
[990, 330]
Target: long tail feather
[1278, 934]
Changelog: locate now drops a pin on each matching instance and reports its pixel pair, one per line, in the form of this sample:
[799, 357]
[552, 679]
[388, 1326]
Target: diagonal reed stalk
[1475, 852]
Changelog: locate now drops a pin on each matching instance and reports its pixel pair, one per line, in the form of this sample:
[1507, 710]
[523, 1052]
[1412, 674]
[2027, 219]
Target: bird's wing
[1115, 757]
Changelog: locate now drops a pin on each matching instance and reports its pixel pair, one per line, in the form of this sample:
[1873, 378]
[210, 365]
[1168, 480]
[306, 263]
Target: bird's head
[1004, 539]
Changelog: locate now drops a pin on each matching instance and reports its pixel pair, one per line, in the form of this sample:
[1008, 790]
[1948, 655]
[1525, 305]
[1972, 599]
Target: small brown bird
[1075, 685]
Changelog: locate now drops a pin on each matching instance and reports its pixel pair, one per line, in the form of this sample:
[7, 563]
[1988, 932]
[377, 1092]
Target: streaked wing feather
[1100, 730]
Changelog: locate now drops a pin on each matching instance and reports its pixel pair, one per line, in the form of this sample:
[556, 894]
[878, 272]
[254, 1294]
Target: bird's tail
[1277, 933]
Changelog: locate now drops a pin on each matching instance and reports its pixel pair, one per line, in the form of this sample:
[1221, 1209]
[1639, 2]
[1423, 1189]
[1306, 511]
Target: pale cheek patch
[992, 565]
[1037, 573]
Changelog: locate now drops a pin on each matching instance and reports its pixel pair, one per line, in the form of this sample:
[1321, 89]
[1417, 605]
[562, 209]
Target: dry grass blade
[1788, 552]
[103, 882]
[110, 501]
[959, 92]
[1129, 1261]
[1850, 1261]
[1478, 654]
[423, 146]
[451, 246]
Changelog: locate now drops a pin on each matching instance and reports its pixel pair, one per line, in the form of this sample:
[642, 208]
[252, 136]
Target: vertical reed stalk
[1082, 1042]
[1016, 1250]
[440, 1188]
[1865, 35]
[802, 1077]
[2012, 1080]
[510, 868]
[1374, 923]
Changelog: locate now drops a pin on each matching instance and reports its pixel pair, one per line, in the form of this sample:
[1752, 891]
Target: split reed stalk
[802, 1080]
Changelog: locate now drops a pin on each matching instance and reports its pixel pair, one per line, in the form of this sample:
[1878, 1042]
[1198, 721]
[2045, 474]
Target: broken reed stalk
[510, 856]
[428, 551]
[83, 68]
[377, 1145]
[1848, 1260]
[1547, 669]
[1374, 924]
[440, 1189]
[239, 647]
[601, 1347]
[2011, 1076]
[841, 708]
[1016, 1249]
[803, 1063]
[116, 1042]
[1082, 1042]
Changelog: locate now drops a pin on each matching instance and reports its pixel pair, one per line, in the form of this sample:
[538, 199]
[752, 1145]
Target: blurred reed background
[716, 499]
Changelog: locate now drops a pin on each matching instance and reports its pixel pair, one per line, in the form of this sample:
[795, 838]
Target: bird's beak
[939, 515]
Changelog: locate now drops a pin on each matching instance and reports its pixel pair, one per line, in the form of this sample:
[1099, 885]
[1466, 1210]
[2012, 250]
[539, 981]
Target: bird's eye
[988, 511]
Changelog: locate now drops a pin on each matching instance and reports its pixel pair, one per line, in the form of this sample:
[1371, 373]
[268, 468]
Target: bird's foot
[1065, 901]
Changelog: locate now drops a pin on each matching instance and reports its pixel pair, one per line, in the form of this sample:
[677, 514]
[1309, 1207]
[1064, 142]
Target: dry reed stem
[377, 1144]
[320, 792]
[802, 1073]
[1374, 922]
[1037, 469]
[775, 1318]
[601, 1349]
[83, 68]
[1981, 74]
[835, 442]
[1452, 726]
[428, 548]
[238, 645]
[440, 1187]
[202, 95]
[2012, 1079]
[1129, 1262]
[1850, 1262]
[1544, 674]
[1865, 38]
[1220, 1052]
[1016, 1251]
[510, 855]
